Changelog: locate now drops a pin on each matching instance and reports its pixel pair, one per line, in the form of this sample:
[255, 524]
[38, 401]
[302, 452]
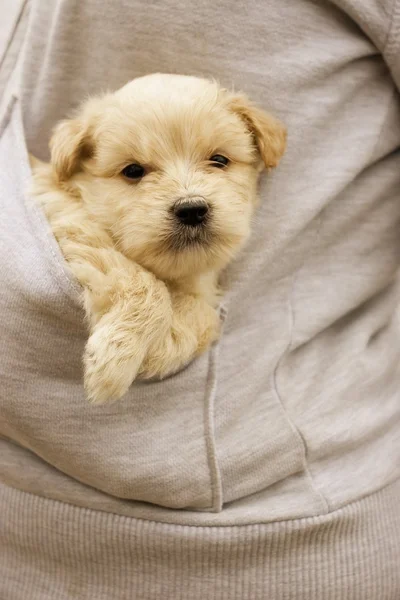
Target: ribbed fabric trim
[54, 551]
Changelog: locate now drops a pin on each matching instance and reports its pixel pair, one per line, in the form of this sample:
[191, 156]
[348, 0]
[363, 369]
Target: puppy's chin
[187, 254]
[184, 238]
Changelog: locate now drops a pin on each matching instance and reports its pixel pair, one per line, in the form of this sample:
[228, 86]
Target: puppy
[149, 193]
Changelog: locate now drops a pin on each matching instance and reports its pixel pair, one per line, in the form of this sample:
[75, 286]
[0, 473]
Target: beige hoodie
[268, 469]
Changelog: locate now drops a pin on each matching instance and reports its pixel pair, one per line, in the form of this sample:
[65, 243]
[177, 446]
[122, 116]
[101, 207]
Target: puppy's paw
[112, 359]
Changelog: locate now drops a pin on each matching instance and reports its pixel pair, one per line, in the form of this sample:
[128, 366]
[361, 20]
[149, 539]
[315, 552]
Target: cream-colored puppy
[150, 193]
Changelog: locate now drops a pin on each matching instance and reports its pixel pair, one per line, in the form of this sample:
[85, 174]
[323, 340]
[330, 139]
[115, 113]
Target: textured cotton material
[349, 554]
[269, 467]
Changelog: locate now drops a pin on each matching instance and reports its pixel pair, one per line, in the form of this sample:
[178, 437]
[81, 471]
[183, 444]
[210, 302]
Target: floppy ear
[69, 144]
[269, 133]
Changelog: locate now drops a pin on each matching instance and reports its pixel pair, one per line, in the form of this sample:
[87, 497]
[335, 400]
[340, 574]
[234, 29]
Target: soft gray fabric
[55, 551]
[295, 413]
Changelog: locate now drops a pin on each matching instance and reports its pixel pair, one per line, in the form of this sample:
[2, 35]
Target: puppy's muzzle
[191, 212]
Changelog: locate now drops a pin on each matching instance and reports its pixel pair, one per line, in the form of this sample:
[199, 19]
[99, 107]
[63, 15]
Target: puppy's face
[169, 165]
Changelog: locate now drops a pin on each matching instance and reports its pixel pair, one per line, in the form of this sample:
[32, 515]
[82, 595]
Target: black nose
[192, 212]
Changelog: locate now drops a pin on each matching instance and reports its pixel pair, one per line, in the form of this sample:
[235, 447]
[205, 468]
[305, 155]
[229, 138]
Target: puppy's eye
[219, 161]
[133, 171]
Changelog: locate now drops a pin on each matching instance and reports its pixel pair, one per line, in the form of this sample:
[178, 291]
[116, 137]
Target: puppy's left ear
[70, 143]
[73, 139]
[269, 133]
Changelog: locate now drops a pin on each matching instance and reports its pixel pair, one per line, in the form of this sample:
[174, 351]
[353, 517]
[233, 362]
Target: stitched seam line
[300, 520]
[209, 419]
[294, 428]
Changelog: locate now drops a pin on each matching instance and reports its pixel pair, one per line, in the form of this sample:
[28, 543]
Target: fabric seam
[294, 427]
[210, 395]
[300, 520]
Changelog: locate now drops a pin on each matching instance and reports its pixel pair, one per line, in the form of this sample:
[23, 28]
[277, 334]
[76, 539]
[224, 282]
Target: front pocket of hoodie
[157, 444]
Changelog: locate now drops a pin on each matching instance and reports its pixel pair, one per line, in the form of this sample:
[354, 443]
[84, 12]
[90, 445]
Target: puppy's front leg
[195, 325]
[120, 340]
[128, 309]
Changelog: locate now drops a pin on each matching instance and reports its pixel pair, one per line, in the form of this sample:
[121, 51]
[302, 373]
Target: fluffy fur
[150, 284]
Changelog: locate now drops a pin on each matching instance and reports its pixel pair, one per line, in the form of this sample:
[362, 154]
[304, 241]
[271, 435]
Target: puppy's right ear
[268, 132]
[69, 145]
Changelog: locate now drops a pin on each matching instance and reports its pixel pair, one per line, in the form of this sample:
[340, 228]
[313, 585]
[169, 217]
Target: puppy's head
[169, 165]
